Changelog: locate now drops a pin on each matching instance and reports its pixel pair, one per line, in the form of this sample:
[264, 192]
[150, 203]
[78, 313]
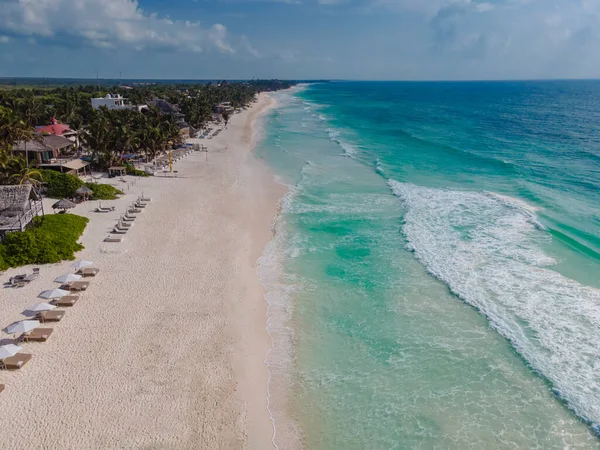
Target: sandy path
[166, 348]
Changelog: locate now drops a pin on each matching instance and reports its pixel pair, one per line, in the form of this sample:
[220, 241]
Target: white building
[115, 101]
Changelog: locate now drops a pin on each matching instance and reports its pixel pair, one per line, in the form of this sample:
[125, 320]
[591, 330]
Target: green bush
[53, 238]
[130, 170]
[103, 191]
[60, 185]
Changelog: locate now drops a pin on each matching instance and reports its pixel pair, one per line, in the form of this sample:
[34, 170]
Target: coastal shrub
[130, 170]
[103, 191]
[52, 239]
[60, 185]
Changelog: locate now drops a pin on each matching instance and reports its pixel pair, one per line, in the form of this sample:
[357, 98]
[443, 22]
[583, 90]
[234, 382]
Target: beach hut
[63, 204]
[84, 192]
[115, 171]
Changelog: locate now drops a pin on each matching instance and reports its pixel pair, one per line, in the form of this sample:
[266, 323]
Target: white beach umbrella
[6, 351]
[67, 278]
[82, 264]
[54, 293]
[39, 307]
[22, 327]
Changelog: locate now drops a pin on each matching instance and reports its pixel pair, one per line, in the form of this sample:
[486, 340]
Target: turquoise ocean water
[434, 281]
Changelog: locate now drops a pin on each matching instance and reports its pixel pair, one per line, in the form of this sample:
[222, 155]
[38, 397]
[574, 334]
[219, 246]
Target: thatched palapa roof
[14, 198]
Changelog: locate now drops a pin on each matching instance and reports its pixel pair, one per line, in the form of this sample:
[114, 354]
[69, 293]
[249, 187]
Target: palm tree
[19, 172]
[96, 135]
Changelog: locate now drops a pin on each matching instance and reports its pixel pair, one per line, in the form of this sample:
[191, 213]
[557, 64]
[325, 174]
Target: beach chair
[124, 224]
[98, 210]
[144, 199]
[88, 272]
[134, 210]
[139, 204]
[38, 335]
[15, 362]
[117, 230]
[127, 218]
[101, 208]
[50, 316]
[113, 239]
[76, 286]
[67, 301]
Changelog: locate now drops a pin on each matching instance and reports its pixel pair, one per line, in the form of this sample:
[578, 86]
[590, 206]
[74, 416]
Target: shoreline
[168, 345]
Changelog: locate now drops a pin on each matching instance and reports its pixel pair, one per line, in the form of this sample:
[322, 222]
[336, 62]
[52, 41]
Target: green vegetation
[103, 191]
[64, 185]
[60, 185]
[53, 238]
[130, 170]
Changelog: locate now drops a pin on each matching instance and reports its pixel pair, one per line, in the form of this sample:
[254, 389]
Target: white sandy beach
[166, 348]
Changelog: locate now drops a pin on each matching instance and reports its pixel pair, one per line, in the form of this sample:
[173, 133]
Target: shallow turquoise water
[434, 278]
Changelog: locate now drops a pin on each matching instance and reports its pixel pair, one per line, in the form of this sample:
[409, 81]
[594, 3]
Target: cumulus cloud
[108, 23]
[249, 47]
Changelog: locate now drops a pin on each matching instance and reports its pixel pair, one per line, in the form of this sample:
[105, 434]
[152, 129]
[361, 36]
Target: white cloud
[108, 23]
[249, 47]
[4, 39]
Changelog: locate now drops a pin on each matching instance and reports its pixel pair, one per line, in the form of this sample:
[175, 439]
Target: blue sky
[349, 39]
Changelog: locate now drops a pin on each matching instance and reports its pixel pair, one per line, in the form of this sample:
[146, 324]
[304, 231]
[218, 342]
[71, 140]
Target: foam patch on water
[334, 136]
[487, 249]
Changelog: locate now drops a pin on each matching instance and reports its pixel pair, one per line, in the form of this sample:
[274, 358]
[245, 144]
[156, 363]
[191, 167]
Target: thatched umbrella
[84, 192]
[63, 204]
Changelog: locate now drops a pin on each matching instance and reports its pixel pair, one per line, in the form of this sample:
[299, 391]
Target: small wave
[334, 136]
[378, 167]
[487, 249]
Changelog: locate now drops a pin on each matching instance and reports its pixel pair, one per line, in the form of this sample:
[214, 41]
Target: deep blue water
[435, 276]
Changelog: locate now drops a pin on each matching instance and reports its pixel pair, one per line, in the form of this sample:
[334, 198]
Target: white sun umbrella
[82, 264]
[39, 307]
[54, 293]
[67, 278]
[22, 327]
[6, 351]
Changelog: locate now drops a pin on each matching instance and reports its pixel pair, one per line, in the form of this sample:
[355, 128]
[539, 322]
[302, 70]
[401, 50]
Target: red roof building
[56, 128]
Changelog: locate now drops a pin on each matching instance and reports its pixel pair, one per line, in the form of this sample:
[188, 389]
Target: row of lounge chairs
[42, 334]
[126, 221]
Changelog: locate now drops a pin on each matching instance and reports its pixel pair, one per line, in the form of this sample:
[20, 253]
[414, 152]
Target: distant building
[223, 107]
[115, 101]
[57, 129]
[44, 150]
[185, 130]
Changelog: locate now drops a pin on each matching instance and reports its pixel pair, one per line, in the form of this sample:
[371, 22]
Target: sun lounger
[113, 239]
[124, 225]
[127, 218]
[50, 316]
[76, 286]
[98, 210]
[117, 230]
[139, 205]
[67, 301]
[15, 362]
[144, 199]
[31, 277]
[38, 335]
[88, 272]
[134, 211]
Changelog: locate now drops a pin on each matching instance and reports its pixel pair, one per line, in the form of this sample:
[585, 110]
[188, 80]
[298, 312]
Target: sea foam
[488, 249]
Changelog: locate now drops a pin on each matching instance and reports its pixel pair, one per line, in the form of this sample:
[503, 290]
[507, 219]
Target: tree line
[105, 134]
